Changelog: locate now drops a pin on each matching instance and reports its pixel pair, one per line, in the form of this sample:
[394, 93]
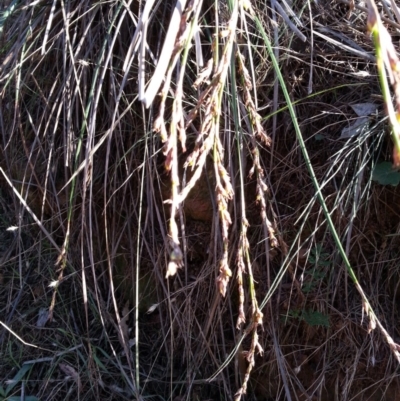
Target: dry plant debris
[161, 234]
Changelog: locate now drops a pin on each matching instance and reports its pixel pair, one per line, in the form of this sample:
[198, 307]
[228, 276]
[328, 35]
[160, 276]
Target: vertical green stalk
[366, 304]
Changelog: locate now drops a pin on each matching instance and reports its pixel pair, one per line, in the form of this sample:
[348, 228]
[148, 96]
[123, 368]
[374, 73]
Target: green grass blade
[18, 377]
[6, 14]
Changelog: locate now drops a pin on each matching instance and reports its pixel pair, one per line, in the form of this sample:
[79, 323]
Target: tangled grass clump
[185, 195]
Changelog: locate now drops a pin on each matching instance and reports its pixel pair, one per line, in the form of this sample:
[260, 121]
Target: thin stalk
[366, 304]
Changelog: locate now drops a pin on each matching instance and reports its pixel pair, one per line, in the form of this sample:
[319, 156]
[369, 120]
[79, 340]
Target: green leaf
[385, 175]
[313, 318]
[99, 363]
[26, 398]
[18, 377]
[2, 392]
[308, 287]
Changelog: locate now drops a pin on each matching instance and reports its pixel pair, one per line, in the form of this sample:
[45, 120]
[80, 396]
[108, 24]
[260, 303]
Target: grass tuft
[186, 188]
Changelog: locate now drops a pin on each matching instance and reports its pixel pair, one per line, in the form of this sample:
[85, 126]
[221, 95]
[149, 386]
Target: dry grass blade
[165, 57]
[192, 238]
[290, 24]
